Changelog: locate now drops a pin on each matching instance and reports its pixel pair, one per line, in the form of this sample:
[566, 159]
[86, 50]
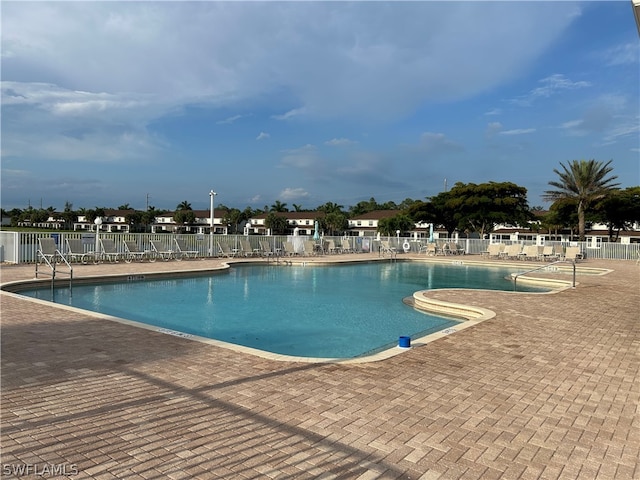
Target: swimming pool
[342, 311]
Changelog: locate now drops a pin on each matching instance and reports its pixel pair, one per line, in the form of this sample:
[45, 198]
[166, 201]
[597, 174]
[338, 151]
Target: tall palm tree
[584, 182]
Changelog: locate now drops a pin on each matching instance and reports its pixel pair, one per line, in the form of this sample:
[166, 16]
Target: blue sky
[309, 102]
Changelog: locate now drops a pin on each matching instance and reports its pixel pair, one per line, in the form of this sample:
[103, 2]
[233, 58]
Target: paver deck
[547, 389]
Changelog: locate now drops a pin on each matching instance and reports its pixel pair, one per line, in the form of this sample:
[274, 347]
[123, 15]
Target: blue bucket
[404, 342]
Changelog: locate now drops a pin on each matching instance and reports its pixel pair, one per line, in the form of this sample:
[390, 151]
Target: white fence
[21, 247]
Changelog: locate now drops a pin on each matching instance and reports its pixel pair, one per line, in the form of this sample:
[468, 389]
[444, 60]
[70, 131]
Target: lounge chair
[346, 246]
[226, 251]
[529, 252]
[428, 249]
[48, 250]
[452, 248]
[109, 250]
[331, 247]
[494, 250]
[573, 254]
[265, 248]
[133, 252]
[247, 250]
[183, 251]
[511, 251]
[160, 251]
[76, 252]
[289, 249]
[548, 253]
[385, 248]
[310, 248]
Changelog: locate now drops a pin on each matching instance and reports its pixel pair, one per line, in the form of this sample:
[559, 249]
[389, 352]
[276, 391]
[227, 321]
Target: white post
[211, 220]
[98, 222]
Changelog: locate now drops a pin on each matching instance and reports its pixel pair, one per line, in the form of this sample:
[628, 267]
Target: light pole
[211, 219]
[98, 222]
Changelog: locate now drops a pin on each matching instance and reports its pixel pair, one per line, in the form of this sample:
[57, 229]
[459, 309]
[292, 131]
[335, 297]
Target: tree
[330, 207]
[69, 216]
[364, 207]
[479, 207]
[184, 205]
[619, 210]
[390, 225]
[277, 223]
[278, 206]
[434, 211]
[585, 182]
[335, 222]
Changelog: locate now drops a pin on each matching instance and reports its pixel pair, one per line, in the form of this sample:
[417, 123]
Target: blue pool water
[332, 312]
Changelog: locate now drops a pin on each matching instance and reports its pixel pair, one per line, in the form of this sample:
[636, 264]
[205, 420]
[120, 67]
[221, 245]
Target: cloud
[517, 131]
[551, 85]
[431, 141]
[290, 114]
[231, 120]
[263, 136]
[493, 128]
[339, 142]
[493, 111]
[293, 194]
[624, 54]
[303, 157]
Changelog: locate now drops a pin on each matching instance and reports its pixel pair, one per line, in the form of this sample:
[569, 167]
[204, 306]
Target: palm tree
[583, 182]
[184, 205]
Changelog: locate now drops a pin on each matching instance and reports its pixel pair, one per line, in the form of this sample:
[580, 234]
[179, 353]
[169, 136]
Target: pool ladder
[52, 263]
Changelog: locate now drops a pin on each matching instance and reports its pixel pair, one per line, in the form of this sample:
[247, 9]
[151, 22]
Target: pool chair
[226, 251]
[386, 248]
[346, 246]
[548, 253]
[133, 252]
[452, 248]
[573, 254]
[265, 249]
[331, 247]
[109, 250]
[289, 249]
[183, 251]
[310, 248]
[158, 250]
[48, 250]
[494, 250]
[529, 252]
[511, 251]
[246, 250]
[76, 252]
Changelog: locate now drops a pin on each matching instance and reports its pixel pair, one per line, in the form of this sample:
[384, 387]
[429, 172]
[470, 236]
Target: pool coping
[467, 315]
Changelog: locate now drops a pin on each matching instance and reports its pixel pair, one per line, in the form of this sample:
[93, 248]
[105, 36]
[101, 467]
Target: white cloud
[304, 157]
[518, 131]
[624, 54]
[339, 142]
[494, 111]
[493, 128]
[551, 85]
[263, 136]
[293, 194]
[296, 112]
[230, 120]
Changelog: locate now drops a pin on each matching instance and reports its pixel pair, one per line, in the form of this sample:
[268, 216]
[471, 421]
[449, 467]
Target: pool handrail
[572, 262]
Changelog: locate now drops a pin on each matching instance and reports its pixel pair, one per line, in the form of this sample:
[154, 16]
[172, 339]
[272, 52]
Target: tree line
[583, 193]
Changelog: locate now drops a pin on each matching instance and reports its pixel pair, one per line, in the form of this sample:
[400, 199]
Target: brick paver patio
[547, 389]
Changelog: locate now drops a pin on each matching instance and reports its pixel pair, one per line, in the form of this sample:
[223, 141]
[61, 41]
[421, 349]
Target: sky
[154, 103]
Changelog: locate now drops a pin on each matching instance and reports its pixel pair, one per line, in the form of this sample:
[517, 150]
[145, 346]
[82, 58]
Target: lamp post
[98, 222]
[211, 220]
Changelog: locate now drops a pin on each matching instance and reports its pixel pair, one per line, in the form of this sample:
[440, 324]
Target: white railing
[21, 247]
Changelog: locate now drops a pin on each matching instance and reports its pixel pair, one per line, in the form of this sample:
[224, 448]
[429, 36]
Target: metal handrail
[52, 266]
[515, 276]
